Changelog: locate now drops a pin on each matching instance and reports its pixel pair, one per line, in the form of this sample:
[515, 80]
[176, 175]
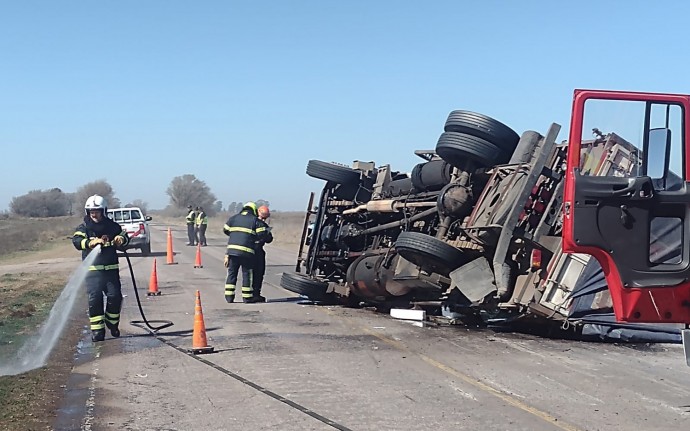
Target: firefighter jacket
[201, 218]
[266, 237]
[243, 232]
[191, 216]
[107, 259]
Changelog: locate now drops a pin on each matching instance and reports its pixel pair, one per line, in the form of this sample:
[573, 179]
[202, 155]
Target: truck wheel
[146, 249]
[305, 286]
[455, 148]
[482, 127]
[429, 253]
[332, 172]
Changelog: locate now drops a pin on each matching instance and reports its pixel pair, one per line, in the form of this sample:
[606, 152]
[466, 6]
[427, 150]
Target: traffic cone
[153, 282]
[171, 258]
[197, 261]
[199, 343]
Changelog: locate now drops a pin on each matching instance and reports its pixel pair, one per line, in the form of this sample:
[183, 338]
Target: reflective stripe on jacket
[107, 259]
[201, 219]
[241, 232]
[191, 217]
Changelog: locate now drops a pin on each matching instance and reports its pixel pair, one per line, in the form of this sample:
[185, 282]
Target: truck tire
[331, 172]
[146, 249]
[315, 290]
[429, 253]
[455, 148]
[482, 127]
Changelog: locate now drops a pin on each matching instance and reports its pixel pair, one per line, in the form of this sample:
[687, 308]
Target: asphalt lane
[290, 365]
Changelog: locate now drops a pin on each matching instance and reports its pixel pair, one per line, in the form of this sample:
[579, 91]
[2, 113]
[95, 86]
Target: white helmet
[96, 202]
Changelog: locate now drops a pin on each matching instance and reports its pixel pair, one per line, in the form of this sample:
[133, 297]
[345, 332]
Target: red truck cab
[636, 221]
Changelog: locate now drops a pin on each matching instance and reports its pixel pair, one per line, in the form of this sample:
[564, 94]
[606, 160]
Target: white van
[136, 224]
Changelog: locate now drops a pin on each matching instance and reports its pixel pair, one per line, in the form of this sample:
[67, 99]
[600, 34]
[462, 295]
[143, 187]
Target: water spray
[36, 349]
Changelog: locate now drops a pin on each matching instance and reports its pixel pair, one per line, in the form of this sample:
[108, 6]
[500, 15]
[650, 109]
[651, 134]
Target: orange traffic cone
[153, 282]
[197, 261]
[171, 259]
[199, 343]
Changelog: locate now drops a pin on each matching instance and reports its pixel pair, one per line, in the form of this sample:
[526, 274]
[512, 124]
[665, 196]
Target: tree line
[183, 191]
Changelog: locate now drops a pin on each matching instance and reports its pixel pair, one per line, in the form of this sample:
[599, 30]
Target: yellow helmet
[251, 206]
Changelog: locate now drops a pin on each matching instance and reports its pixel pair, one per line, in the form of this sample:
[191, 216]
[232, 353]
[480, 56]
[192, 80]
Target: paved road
[285, 365]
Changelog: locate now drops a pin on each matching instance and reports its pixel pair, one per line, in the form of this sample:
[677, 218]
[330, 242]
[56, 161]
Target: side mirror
[658, 152]
[149, 218]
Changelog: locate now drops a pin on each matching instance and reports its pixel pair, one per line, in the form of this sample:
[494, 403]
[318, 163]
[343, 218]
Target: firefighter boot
[98, 335]
[114, 329]
[250, 300]
[259, 298]
[229, 299]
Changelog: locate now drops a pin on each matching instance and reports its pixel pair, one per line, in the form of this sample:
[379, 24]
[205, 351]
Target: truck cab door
[627, 200]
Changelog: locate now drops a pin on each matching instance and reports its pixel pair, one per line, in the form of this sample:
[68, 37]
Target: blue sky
[243, 94]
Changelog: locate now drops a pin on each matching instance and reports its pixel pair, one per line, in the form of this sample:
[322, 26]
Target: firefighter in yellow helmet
[104, 274]
[260, 257]
[242, 233]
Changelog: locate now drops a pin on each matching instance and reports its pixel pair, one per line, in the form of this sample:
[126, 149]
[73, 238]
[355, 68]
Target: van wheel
[146, 249]
[429, 253]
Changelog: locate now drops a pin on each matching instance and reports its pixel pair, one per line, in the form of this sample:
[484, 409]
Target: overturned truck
[473, 229]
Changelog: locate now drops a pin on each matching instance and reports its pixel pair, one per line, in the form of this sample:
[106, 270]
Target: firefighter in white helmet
[103, 276]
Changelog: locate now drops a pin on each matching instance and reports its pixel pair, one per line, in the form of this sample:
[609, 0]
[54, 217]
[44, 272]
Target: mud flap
[685, 335]
[474, 279]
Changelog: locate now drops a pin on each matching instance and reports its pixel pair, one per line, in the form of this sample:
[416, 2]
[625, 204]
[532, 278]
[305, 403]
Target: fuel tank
[371, 277]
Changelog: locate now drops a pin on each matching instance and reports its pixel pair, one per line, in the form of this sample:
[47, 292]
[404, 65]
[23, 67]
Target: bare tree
[41, 203]
[140, 204]
[189, 190]
[233, 207]
[98, 187]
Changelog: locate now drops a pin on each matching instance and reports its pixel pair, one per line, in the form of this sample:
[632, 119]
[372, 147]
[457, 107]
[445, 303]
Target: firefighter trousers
[191, 234]
[236, 264]
[99, 283]
[259, 271]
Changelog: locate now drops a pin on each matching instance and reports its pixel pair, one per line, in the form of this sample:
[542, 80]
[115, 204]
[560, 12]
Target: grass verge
[29, 400]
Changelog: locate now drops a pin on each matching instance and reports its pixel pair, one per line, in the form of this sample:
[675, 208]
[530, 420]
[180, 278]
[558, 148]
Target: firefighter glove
[93, 242]
[118, 241]
[226, 261]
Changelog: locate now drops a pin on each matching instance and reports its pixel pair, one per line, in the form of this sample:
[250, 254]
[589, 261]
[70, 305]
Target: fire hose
[144, 321]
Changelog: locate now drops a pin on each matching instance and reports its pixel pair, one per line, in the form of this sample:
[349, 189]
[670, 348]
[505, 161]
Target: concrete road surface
[286, 365]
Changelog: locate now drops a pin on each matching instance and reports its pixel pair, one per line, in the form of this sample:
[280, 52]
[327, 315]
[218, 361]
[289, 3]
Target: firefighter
[103, 276]
[191, 218]
[201, 225]
[241, 230]
[260, 257]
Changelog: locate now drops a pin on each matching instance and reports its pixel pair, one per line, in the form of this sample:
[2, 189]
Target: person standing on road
[241, 230]
[191, 217]
[104, 275]
[264, 237]
[201, 225]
